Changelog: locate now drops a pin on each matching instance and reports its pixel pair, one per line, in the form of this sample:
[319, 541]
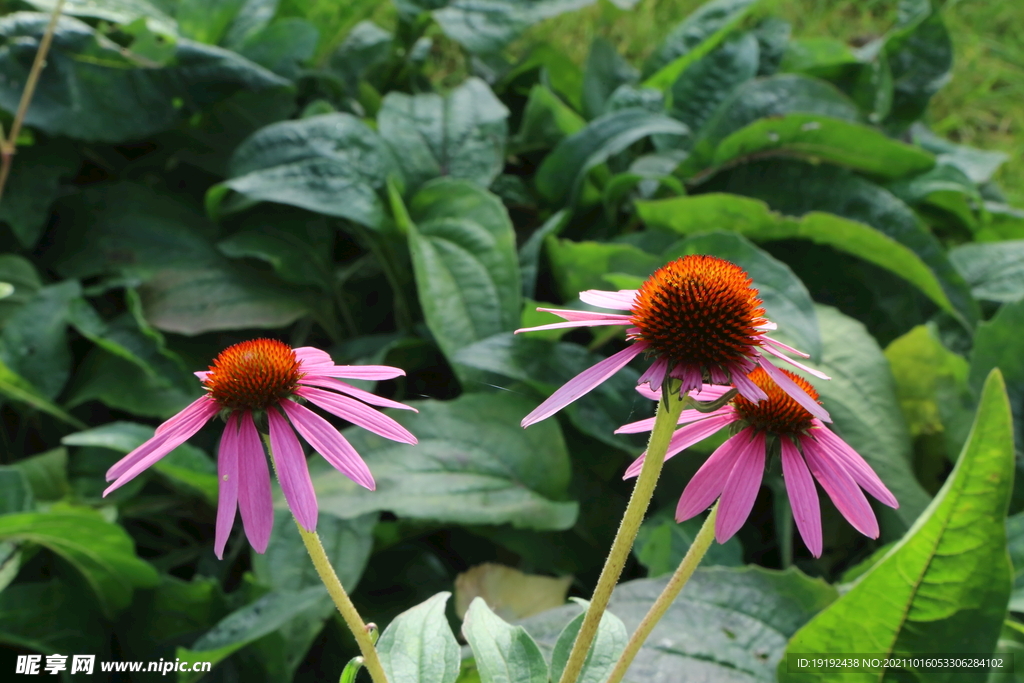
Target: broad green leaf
[753, 219]
[546, 121]
[945, 585]
[248, 624]
[34, 341]
[579, 266]
[15, 491]
[461, 135]
[561, 174]
[103, 552]
[124, 386]
[605, 71]
[695, 37]
[662, 542]
[503, 653]
[861, 397]
[817, 137]
[920, 54]
[366, 48]
[728, 625]
[297, 252]
[206, 21]
[419, 647]
[46, 473]
[486, 26]
[945, 188]
[332, 164]
[608, 644]
[708, 81]
[33, 187]
[17, 388]
[996, 345]
[557, 72]
[1003, 222]
[464, 260]
[994, 270]
[114, 11]
[50, 617]
[175, 611]
[97, 91]
[283, 46]
[21, 275]
[978, 164]
[474, 464]
[820, 57]
[123, 337]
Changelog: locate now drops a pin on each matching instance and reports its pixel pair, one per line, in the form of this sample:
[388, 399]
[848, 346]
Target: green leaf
[103, 552]
[561, 174]
[17, 388]
[419, 647]
[1015, 546]
[820, 138]
[298, 253]
[529, 252]
[283, 46]
[753, 219]
[944, 586]
[546, 121]
[708, 81]
[21, 275]
[696, 36]
[15, 491]
[125, 386]
[661, 543]
[944, 188]
[608, 644]
[465, 264]
[248, 624]
[579, 266]
[46, 473]
[996, 346]
[605, 71]
[461, 135]
[993, 270]
[34, 341]
[332, 164]
[729, 624]
[206, 21]
[474, 464]
[48, 617]
[97, 91]
[486, 26]
[978, 164]
[820, 57]
[32, 189]
[113, 11]
[504, 653]
[173, 612]
[920, 54]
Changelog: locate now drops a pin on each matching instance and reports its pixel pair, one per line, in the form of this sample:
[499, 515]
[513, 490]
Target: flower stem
[664, 425]
[348, 611]
[682, 574]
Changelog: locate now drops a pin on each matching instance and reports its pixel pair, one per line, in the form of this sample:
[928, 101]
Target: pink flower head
[699, 319]
[267, 376]
[734, 471]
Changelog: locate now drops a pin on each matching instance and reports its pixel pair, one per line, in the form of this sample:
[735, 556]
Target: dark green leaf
[15, 491]
[945, 585]
[299, 254]
[124, 386]
[49, 617]
[661, 543]
[946, 188]
[17, 388]
[503, 653]
[608, 644]
[920, 54]
[546, 121]
[485, 26]
[529, 253]
[283, 47]
[20, 274]
[32, 187]
[994, 270]
[708, 81]
[820, 57]
[206, 20]
[461, 135]
[474, 464]
[46, 473]
[114, 11]
[34, 341]
[996, 345]
[605, 71]
[419, 647]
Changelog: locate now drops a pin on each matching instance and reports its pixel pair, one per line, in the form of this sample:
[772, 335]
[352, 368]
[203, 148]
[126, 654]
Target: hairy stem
[682, 574]
[664, 424]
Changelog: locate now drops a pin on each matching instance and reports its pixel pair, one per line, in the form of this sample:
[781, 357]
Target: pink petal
[687, 436]
[329, 443]
[358, 414]
[654, 376]
[311, 356]
[740, 488]
[364, 396]
[794, 391]
[647, 392]
[584, 382]
[811, 371]
[200, 404]
[133, 464]
[855, 465]
[746, 388]
[573, 314]
[803, 496]
[690, 376]
[686, 417]
[784, 347]
[574, 323]
[766, 325]
[255, 501]
[292, 471]
[710, 479]
[841, 488]
[227, 485]
[202, 374]
[621, 300]
[371, 372]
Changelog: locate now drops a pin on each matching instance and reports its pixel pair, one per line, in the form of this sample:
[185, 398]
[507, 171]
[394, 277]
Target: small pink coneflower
[700, 320]
[268, 377]
[734, 470]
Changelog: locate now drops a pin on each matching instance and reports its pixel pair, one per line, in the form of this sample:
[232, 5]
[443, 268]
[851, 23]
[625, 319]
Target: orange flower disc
[253, 375]
[698, 310]
[779, 414]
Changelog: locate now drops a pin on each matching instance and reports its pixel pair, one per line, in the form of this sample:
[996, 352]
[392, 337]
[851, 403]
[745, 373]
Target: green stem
[664, 425]
[682, 574]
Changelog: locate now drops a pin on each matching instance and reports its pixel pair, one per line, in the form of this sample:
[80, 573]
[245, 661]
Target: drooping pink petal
[573, 314]
[796, 364]
[292, 471]
[647, 392]
[255, 502]
[358, 414]
[686, 417]
[707, 484]
[784, 347]
[803, 496]
[329, 443]
[156, 448]
[312, 356]
[621, 300]
[690, 376]
[362, 395]
[654, 376]
[841, 488]
[794, 390]
[740, 488]
[575, 323]
[855, 465]
[746, 388]
[687, 436]
[227, 485]
[201, 404]
[583, 383]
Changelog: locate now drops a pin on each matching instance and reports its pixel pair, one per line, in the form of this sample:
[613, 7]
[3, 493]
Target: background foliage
[403, 183]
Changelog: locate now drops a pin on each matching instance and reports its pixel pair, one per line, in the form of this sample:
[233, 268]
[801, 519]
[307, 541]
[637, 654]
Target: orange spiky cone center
[779, 413]
[253, 375]
[699, 310]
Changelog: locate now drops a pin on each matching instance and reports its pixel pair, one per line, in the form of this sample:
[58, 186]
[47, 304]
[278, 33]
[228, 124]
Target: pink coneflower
[700, 320]
[266, 377]
[735, 469]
